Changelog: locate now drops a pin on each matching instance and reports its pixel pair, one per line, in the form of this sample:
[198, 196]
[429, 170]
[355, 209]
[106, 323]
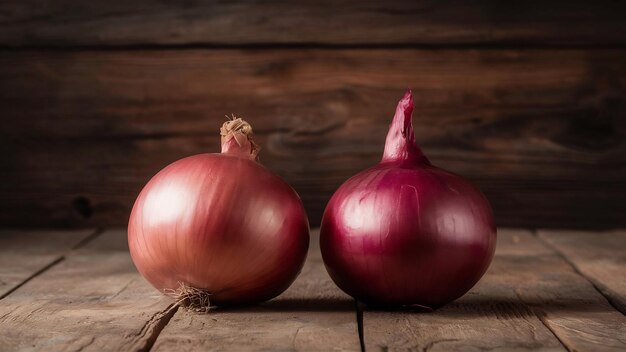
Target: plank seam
[313, 45]
[87, 239]
[34, 275]
[539, 313]
[56, 261]
[541, 316]
[358, 308]
[607, 295]
[162, 319]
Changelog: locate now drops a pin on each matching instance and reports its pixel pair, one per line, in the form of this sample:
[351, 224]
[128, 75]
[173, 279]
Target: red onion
[406, 232]
[219, 228]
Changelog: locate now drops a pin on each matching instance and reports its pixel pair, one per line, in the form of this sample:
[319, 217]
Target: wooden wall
[527, 99]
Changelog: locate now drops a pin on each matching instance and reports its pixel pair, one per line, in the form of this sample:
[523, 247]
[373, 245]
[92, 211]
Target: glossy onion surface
[405, 232]
[221, 223]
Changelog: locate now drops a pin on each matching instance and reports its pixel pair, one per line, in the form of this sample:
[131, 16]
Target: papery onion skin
[221, 223]
[405, 232]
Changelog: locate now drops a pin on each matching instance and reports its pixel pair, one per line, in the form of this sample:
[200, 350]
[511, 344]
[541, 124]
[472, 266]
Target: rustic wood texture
[599, 256]
[489, 317]
[312, 315]
[23, 254]
[568, 303]
[94, 300]
[82, 131]
[527, 285]
[67, 23]
[531, 298]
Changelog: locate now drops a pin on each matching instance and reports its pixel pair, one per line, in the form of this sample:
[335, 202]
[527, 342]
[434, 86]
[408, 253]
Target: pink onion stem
[400, 143]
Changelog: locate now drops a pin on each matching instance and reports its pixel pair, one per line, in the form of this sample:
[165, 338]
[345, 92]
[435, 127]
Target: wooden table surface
[79, 291]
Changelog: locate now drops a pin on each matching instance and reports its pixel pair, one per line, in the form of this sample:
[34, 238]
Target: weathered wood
[24, 254]
[599, 256]
[81, 132]
[489, 317]
[568, 303]
[94, 300]
[527, 285]
[65, 23]
[312, 315]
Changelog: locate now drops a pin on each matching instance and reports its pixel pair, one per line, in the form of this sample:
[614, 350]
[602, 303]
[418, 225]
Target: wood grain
[489, 317]
[312, 315]
[532, 298]
[82, 131]
[599, 256]
[567, 302]
[94, 300]
[527, 285]
[346, 22]
[23, 254]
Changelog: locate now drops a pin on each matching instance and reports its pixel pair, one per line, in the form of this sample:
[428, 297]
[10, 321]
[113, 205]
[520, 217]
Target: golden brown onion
[219, 228]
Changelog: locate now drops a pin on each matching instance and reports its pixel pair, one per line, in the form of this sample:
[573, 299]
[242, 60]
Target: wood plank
[489, 317]
[312, 315]
[599, 256]
[568, 303]
[83, 131]
[23, 254]
[94, 300]
[527, 286]
[552, 22]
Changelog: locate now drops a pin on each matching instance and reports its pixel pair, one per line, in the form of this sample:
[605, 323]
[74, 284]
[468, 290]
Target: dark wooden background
[525, 98]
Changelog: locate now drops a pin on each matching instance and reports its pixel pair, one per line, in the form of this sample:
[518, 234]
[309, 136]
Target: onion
[405, 232]
[219, 229]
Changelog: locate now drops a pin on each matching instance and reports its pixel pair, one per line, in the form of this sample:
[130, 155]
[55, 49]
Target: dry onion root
[195, 299]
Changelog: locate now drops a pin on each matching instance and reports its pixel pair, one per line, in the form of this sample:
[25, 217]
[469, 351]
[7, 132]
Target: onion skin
[221, 223]
[406, 233]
